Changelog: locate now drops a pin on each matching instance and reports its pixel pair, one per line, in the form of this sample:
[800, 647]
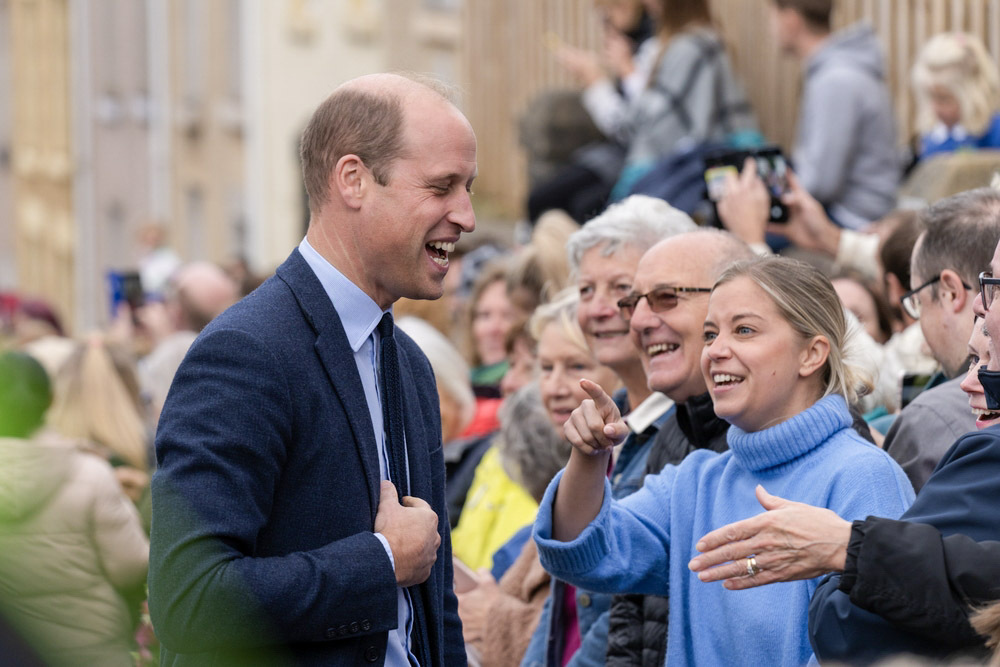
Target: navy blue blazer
[264, 501]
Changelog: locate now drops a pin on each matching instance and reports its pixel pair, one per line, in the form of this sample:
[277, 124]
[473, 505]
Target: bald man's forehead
[678, 264]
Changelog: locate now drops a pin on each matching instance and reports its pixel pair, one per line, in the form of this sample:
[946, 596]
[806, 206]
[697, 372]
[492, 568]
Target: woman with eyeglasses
[777, 362]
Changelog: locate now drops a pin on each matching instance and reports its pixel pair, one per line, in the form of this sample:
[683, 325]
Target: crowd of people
[413, 446]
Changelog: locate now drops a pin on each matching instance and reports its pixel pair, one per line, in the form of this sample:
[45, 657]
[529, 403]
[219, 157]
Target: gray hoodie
[845, 153]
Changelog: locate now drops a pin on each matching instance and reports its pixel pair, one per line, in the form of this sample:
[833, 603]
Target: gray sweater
[845, 153]
[927, 428]
[692, 96]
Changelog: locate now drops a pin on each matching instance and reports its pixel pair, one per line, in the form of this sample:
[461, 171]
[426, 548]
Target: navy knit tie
[392, 416]
[392, 407]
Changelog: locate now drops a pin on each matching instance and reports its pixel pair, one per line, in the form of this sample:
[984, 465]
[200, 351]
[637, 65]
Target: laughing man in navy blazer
[277, 537]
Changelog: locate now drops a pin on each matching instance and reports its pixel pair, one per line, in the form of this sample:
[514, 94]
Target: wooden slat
[508, 64]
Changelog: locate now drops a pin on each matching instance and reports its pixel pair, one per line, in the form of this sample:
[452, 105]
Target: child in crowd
[958, 95]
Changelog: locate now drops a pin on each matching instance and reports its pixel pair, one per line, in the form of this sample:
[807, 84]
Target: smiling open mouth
[725, 380]
[985, 415]
[439, 250]
[661, 348]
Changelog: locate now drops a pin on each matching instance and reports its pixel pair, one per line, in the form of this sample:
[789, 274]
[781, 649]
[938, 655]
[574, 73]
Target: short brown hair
[678, 15]
[815, 12]
[351, 121]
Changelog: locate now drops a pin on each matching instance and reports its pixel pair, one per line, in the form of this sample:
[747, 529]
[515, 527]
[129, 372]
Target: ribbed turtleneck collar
[792, 438]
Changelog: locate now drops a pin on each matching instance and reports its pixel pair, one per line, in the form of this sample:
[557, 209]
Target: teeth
[440, 261]
[661, 347]
[443, 246]
[723, 378]
[980, 414]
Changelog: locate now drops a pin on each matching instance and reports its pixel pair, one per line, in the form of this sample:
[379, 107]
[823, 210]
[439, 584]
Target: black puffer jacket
[637, 626]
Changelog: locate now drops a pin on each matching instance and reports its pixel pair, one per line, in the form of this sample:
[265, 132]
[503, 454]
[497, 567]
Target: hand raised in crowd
[744, 211]
[474, 606]
[789, 541]
[808, 225]
[411, 529]
[618, 52]
[745, 205]
[596, 425]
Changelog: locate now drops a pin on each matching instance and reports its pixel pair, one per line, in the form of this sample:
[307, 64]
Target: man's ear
[814, 355]
[951, 286]
[349, 178]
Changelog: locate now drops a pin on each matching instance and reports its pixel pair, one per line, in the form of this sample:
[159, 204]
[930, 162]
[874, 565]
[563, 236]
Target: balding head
[363, 117]
[670, 340]
[201, 291]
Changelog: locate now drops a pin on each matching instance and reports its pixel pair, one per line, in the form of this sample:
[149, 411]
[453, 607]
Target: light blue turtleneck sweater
[643, 543]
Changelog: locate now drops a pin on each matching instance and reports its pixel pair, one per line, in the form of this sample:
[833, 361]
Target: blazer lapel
[416, 440]
[337, 358]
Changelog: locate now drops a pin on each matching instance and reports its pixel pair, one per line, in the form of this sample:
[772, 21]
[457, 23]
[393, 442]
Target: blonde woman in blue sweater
[777, 363]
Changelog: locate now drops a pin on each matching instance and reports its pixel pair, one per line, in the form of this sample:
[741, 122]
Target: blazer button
[354, 628]
[371, 654]
[584, 600]
[366, 625]
[331, 633]
[341, 631]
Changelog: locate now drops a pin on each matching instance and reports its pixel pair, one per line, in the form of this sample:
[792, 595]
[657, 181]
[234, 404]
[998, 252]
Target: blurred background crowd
[149, 180]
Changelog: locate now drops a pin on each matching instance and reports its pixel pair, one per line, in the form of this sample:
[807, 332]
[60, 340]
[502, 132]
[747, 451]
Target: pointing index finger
[602, 401]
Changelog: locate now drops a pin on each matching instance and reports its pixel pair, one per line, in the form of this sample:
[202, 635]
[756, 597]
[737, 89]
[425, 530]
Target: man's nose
[463, 214]
[643, 319]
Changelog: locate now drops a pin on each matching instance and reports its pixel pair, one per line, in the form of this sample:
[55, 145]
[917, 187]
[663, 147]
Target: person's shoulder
[984, 444]
[694, 43]
[850, 453]
[946, 404]
[412, 353]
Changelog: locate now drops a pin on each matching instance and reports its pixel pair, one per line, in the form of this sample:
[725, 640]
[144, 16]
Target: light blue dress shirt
[360, 316]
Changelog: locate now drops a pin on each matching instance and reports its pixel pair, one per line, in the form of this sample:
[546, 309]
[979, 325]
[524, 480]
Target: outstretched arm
[593, 429]
[790, 541]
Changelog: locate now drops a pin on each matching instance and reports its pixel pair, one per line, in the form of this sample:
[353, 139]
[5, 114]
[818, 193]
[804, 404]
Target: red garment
[485, 420]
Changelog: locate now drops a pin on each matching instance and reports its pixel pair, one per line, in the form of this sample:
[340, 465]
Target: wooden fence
[504, 64]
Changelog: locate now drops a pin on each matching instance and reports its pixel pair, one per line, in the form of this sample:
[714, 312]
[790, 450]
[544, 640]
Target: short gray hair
[962, 232]
[450, 369]
[531, 450]
[638, 222]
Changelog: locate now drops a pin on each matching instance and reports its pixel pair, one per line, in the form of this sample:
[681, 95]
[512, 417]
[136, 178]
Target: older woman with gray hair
[603, 256]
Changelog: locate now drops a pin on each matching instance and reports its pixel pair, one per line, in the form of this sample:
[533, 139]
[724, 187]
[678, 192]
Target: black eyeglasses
[659, 299]
[988, 287]
[910, 302]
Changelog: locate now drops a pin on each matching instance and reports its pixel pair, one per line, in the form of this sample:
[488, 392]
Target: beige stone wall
[41, 157]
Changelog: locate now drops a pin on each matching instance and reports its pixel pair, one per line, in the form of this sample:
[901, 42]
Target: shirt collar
[646, 413]
[358, 313]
